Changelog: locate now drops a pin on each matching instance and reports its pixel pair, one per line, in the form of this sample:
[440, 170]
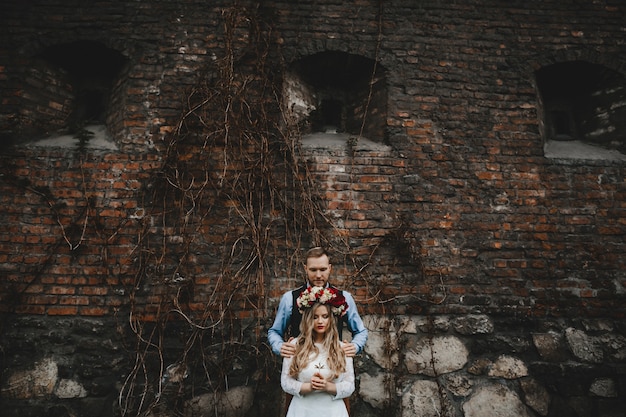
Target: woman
[319, 375]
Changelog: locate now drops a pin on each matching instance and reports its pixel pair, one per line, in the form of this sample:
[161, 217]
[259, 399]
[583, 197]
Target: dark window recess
[344, 93]
[332, 115]
[562, 124]
[583, 101]
[92, 68]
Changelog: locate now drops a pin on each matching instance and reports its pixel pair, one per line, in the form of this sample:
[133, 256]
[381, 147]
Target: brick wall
[67, 234]
[454, 211]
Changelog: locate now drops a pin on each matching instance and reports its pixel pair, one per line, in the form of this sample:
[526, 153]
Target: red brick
[62, 311]
[74, 300]
[94, 290]
[58, 290]
[93, 311]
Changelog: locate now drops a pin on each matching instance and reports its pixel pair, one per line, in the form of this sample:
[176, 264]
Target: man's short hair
[316, 252]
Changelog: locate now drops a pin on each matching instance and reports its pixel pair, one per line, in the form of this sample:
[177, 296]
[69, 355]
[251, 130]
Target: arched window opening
[337, 93]
[584, 106]
[92, 68]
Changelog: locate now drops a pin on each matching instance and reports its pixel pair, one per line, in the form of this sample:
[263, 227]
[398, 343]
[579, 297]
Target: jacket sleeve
[276, 333]
[355, 323]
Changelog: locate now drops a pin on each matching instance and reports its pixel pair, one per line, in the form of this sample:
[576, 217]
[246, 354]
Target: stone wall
[475, 365]
[141, 268]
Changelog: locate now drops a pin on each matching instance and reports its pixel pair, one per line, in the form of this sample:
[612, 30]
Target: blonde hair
[305, 345]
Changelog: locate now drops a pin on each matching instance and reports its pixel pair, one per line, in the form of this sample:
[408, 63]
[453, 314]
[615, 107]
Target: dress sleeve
[345, 382]
[289, 384]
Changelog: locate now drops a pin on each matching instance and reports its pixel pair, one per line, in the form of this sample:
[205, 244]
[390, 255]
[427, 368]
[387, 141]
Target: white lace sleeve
[345, 382]
[289, 384]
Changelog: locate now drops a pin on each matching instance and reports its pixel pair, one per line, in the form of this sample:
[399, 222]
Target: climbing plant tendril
[232, 206]
[232, 197]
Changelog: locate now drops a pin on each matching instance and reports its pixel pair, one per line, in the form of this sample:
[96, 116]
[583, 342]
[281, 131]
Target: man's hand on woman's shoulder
[288, 349]
[349, 349]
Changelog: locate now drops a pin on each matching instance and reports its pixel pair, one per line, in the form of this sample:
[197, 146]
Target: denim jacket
[276, 333]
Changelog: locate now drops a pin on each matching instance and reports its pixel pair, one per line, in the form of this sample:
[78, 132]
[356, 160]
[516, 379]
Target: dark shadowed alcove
[583, 102]
[337, 92]
[92, 68]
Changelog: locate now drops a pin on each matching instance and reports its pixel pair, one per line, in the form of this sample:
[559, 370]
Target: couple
[318, 371]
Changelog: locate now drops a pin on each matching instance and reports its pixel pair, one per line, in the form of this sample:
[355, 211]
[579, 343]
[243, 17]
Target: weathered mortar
[457, 234]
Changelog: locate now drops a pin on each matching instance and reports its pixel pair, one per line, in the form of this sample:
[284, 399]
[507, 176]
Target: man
[287, 321]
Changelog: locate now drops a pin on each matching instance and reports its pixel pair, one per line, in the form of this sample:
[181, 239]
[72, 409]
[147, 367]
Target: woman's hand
[319, 383]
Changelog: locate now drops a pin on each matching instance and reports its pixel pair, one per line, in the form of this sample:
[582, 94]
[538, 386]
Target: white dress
[317, 404]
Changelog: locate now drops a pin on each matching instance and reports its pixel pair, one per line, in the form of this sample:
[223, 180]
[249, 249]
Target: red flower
[328, 295]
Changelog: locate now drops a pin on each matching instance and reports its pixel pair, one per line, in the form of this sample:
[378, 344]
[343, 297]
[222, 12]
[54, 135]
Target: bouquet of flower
[329, 295]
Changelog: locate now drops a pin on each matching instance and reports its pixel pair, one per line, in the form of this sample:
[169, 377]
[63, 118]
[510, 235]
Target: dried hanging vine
[231, 196]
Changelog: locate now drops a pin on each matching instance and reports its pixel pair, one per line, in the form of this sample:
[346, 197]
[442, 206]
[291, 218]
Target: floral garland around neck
[328, 295]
